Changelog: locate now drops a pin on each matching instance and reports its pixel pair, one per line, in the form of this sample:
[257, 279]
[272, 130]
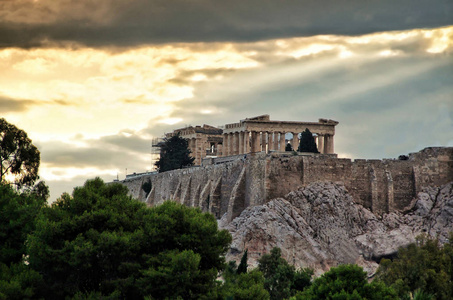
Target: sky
[93, 82]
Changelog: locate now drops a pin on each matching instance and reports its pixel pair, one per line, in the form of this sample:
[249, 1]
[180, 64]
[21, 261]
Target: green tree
[100, 242]
[17, 219]
[18, 211]
[19, 158]
[174, 154]
[302, 279]
[307, 142]
[288, 147]
[249, 286]
[425, 266]
[242, 268]
[346, 282]
[278, 274]
[246, 285]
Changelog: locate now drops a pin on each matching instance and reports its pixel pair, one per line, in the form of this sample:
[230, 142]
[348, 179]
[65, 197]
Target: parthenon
[260, 134]
[253, 135]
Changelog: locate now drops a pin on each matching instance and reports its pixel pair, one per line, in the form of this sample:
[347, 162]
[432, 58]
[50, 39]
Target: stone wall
[253, 179]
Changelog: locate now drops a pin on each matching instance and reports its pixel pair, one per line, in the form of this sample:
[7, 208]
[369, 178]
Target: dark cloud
[8, 105]
[127, 23]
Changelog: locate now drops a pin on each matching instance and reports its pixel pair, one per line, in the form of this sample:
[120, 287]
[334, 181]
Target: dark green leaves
[307, 142]
[19, 158]
[175, 154]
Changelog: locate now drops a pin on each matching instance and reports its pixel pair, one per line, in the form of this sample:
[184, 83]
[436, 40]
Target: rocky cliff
[321, 226]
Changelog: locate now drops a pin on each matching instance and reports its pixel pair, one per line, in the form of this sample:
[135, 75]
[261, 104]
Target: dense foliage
[102, 241]
[281, 279]
[307, 142]
[18, 211]
[17, 220]
[424, 266]
[247, 285]
[347, 282]
[174, 154]
[19, 158]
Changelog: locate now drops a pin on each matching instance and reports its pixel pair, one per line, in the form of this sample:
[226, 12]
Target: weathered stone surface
[321, 226]
[383, 186]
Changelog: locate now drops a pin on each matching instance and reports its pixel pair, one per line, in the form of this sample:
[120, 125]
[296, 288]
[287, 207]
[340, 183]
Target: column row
[254, 141]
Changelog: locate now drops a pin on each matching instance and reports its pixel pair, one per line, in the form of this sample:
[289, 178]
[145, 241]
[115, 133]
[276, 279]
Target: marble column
[263, 141]
[275, 141]
[247, 141]
[241, 142]
[295, 142]
[255, 142]
[282, 141]
[236, 143]
[321, 143]
[230, 143]
[225, 145]
[328, 144]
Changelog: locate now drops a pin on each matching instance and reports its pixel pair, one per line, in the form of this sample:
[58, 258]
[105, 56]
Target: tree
[246, 285]
[18, 211]
[17, 220]
[307, 142]
[424, 266]
[249, 286]
[288, 147]
[278, 274]
[19, 158]
[101, 242]
[346, 282]
[175, 154]
[242, 268]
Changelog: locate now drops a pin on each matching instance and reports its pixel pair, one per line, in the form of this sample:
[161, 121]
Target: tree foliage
[346, 282]
[307, 142]
[246, 285]
[242, 268]
[425, 267]
[281, 279]
[19, 158]
[17, 219]
[99, 241]
[175, 154]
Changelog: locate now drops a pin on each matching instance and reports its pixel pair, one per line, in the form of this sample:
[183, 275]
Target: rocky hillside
[321, 226]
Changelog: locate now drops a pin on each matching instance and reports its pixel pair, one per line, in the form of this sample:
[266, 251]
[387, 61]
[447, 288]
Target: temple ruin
[204, 141]
[253, 135]
[260, 134]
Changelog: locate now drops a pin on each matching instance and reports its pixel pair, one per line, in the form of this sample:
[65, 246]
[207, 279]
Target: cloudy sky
[92, 82]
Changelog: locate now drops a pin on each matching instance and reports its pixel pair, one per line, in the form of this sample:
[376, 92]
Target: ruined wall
[252, 179]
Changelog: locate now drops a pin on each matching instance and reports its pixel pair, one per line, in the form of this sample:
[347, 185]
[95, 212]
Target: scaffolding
[156, 144]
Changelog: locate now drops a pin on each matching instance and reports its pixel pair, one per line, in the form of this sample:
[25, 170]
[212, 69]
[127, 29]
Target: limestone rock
[321, 226]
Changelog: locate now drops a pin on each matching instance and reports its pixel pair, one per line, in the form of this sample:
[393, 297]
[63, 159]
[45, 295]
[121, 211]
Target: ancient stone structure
[253, 135]
[203, 141]
[260, 134]
[229, 186]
